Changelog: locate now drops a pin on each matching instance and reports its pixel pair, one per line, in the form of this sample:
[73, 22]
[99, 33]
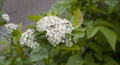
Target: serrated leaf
[78, 18]
[34, 18]
[91, 31]
[38, 54]
[75, 60]
[110, 36]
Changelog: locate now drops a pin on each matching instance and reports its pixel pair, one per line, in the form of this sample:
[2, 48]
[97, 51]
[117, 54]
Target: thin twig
[6, 37]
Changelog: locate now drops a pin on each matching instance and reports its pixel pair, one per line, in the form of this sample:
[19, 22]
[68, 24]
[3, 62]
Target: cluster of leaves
[101, 20]
[96, 41]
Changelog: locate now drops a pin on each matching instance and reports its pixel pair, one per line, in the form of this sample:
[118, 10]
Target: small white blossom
[28, 39]
[10, 27]
[68, 42]
[56, 29]
[5, 17]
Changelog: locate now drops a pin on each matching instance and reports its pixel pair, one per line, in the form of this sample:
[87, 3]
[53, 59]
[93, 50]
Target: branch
[6, 37]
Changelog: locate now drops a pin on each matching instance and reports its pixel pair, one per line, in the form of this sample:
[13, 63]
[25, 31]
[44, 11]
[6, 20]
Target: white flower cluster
[11, 27]
[56, 29]
[5, 17]
[28, 39]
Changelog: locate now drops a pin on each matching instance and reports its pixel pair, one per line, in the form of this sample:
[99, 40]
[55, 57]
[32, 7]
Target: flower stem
[6, 37]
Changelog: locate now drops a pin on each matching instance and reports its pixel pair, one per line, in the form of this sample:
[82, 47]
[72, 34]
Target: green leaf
[99, 56]
[109, 60]
[95, 47]
[109, 35]
[78, 33]
[78, 18]
[2, 23]
[91, 31]
[31, 26]
[49, 13]
[42, 62]
[16, 33]
[75, 60]
[52, 63]
[89, 59]
[7, 61]
[73, 48]
[18, 61]
[34, 18]
[112, 4]
[20, 26]
[18, 49]
[38, 54]
[104, 23]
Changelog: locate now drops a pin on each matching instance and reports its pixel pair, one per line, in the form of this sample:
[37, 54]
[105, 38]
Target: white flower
[56, 29]
[10, 27]
[5, 17]
[28, 39]
[68, 42]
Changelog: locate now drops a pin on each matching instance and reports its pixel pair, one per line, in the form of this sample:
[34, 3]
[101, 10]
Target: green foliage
[75, 60]
[100, 21]
[34, 18]
[38, 54]
[2, 21]
[77, 18]
[78, 33]
[91, 31]
[103, 23]
[110, 36]
[110, 61]
[96, 39]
